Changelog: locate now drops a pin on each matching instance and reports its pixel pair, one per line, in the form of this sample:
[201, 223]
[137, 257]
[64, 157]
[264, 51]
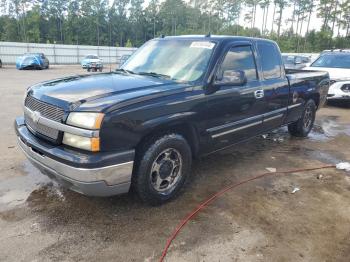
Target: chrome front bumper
[100, 181]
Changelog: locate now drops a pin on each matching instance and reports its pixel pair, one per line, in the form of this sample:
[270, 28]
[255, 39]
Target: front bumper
[335, 91]
[94, 174]
[92, 66]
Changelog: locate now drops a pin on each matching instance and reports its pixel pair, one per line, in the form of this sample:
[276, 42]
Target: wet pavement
[260, 221]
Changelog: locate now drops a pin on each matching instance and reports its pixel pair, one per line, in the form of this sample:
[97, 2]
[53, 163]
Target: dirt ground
[259, 221]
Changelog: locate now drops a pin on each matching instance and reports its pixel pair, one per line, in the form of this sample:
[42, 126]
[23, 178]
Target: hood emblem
[36, 116]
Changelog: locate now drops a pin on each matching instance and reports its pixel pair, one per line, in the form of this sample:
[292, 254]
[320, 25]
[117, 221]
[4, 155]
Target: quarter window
[270, 60]
[240, 58]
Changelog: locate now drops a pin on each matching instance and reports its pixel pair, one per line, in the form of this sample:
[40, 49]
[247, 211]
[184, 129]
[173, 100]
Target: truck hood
[334, 73]
[98, 91]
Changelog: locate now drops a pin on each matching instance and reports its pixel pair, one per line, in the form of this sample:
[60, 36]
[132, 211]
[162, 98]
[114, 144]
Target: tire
[100, 69]
[162, 168]
[0, 64]
[88, 69]
[303, 126]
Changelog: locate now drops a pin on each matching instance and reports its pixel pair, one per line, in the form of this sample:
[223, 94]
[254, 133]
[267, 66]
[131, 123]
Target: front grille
[331, 82]
[41, 129]
[46, 110]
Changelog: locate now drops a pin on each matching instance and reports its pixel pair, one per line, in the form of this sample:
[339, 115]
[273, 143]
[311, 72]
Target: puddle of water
[16, 190]
[327, 128]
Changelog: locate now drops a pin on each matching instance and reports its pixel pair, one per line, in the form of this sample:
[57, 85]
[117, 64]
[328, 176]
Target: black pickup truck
[175, 99]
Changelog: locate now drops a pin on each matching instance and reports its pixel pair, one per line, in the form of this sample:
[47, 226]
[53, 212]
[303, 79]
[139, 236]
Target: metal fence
[62, 54]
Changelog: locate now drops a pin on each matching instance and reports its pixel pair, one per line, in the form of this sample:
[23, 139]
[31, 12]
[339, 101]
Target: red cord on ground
[221, 192]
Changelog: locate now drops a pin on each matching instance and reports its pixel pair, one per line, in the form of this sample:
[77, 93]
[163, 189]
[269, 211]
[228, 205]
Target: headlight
[86, 143]
[85, 120]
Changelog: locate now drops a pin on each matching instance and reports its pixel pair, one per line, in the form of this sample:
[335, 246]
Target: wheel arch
[183, 128]
[315, 97]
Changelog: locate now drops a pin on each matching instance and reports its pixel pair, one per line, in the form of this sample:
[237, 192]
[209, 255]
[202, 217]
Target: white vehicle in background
[92, 63]
[337, 64]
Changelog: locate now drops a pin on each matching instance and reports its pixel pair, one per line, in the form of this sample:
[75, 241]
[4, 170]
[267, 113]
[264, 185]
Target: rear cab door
[274, 84]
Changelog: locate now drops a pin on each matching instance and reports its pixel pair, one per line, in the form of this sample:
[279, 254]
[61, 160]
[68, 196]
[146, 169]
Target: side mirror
[231, 78]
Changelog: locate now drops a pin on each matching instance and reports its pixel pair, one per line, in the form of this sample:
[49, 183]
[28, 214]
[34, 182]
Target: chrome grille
[46, 110]
[41, 129]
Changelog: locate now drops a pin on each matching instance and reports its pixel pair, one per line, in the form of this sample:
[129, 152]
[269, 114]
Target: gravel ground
[260, 221]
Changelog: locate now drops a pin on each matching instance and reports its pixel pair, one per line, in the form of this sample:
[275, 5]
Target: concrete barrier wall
[62, 54]
[73, 54]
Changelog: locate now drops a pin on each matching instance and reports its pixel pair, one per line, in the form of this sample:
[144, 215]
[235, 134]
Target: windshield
[91, 57]
[178, 59]
[333, 61]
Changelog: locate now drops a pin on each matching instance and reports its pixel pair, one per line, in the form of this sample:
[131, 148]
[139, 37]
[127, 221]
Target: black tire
[158, 152]
[100, 69]
[303, 126]
[0, 64]
[88, 69]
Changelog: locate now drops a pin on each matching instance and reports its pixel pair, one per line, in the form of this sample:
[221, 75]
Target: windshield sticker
[207, 45]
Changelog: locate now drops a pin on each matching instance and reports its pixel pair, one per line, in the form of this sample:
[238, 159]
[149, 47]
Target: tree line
[132, 22]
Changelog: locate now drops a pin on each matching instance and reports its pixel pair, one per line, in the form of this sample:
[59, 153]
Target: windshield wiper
[154, 74]
[124, 71]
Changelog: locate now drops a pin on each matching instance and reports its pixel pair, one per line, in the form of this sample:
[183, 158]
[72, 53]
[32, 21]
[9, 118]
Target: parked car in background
[175, 99]
[92, 63]
[32, 61]
[295, 61]
[337, 64]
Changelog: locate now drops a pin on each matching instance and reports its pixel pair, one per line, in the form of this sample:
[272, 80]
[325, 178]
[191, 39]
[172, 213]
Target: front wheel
[303, 126]
[162, 168]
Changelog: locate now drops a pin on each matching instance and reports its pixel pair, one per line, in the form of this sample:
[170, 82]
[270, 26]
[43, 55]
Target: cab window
[240, 58]
[270, 60]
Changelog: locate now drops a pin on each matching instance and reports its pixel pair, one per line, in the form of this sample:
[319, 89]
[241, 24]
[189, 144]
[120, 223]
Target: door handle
[259, 94]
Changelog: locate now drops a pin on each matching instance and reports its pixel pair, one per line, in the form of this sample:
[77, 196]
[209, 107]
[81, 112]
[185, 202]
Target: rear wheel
[88, 69]
[162, 168]
[303, 126]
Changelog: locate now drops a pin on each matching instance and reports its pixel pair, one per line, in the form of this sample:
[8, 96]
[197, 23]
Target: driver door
[235, 111]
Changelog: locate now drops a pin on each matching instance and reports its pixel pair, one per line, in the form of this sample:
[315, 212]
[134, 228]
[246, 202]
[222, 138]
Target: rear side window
[240, 58]
[270, 60]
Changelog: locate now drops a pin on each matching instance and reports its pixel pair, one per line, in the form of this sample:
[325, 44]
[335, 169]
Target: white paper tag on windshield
[207, 45]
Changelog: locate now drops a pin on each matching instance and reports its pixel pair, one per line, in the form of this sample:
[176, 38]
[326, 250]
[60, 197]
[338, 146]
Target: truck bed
[315, 82]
